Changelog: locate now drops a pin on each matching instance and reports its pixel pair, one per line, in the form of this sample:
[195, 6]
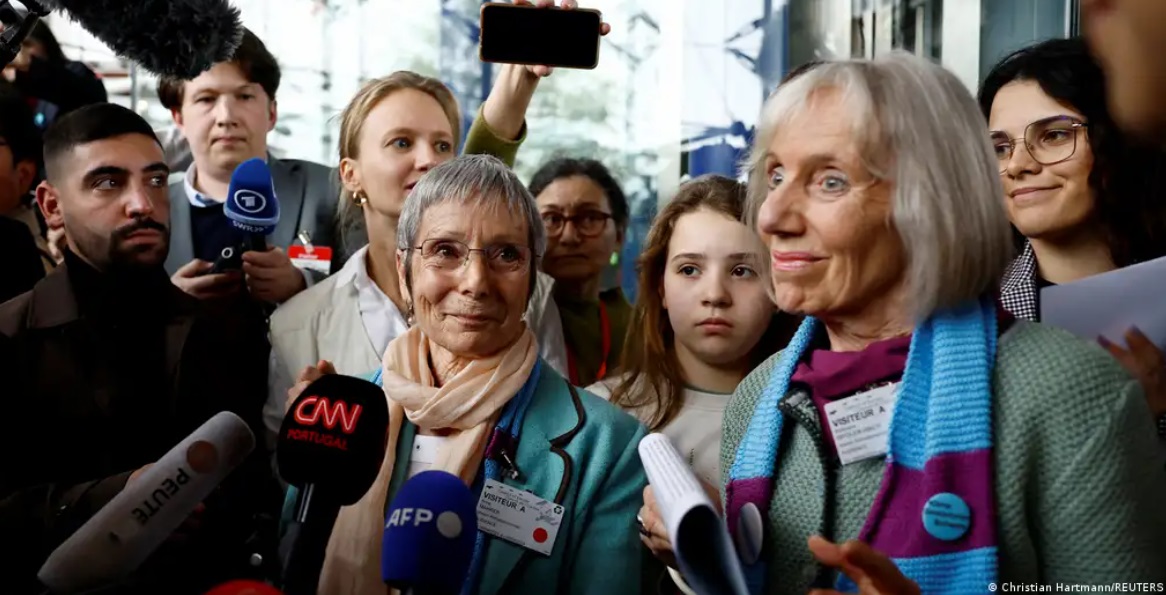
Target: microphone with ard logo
[429, 535]
[252, 208]
[116, 540]
[331, 447]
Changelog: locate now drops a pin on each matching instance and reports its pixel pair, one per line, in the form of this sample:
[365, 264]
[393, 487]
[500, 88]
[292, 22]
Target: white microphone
[116, 540]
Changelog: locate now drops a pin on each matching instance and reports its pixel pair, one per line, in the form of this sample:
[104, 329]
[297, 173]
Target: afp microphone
[179, 38]
[116, 540]
[331, 447]
[429, 535]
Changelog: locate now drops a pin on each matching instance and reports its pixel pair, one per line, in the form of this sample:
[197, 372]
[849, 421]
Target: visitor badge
[861, 424]
[519, 517]
[312, 258]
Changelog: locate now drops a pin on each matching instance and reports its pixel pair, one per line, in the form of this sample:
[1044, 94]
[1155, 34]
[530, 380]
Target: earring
[409, 314]
[359, 198]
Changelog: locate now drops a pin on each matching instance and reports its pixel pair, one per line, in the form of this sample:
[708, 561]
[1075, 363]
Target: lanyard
[605, 342]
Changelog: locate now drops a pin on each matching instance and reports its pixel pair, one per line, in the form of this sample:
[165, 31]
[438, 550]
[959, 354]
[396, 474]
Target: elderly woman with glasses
[947, 446]
[1086, 198]
[466, 387]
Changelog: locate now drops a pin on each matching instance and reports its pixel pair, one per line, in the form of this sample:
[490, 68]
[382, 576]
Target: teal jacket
[579, 451]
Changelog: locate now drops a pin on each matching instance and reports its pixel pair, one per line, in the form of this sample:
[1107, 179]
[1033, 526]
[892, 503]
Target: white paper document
[1110, 303]
[700, 540]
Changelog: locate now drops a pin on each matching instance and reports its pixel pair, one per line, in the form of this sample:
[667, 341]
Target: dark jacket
[60, 87]
[78, 422]
[22, 266]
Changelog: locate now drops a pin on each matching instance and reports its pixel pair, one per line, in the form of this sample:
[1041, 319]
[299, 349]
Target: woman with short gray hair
[469, 395]
[948, 445]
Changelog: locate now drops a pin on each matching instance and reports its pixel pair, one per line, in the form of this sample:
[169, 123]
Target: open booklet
[700, 540]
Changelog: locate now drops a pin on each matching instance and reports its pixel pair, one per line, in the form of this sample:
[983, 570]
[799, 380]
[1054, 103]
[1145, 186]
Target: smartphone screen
[548, 36]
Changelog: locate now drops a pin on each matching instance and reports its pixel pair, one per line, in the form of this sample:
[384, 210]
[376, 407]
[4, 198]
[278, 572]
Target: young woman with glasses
[586, 214]
[1083, 197]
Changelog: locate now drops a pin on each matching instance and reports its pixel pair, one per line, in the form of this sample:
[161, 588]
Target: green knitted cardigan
[1080, 483]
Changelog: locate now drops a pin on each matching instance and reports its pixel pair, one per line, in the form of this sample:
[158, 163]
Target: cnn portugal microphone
[116, 540]
[429, 535]
[331, 447]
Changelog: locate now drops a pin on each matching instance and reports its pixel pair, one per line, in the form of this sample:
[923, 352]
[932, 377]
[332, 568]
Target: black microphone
[331, 447]
[116, 540]
[179, 38]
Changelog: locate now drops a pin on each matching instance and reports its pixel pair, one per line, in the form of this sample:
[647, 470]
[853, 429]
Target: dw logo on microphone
[309, 412]
[249, 201]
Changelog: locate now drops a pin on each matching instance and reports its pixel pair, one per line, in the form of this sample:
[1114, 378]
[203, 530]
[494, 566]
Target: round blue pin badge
[947, 517]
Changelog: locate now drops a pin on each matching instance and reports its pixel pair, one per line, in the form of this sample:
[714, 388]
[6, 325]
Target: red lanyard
[605, 341]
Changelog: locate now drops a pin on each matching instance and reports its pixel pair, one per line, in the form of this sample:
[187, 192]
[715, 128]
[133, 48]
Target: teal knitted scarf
[935, 511]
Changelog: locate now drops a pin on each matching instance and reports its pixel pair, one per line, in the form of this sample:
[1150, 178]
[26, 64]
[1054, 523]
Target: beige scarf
[469, 404]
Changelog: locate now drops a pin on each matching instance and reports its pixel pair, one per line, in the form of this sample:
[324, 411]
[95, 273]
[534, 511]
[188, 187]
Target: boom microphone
[179, 38]
[251, 203]
[429, 535]
[331, 447]
[116, 540]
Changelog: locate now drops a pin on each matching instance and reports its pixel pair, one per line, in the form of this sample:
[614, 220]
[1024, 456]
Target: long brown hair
[651, 375]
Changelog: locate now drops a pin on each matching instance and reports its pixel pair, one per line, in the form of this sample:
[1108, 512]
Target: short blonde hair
[348, 214]
[917, 127]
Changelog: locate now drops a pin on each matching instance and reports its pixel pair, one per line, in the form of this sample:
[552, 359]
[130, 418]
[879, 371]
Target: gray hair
[472, 181]
[917, 127]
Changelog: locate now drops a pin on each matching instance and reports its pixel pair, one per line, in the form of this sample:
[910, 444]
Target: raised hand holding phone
[540, 36]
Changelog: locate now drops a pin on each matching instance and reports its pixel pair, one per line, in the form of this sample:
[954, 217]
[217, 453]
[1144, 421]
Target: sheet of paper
[700, 540]
[1110, 303]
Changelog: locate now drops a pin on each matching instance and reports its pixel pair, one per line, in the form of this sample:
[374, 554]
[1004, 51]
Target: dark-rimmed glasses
[1049, 141]
[450, 255]
[587, 223]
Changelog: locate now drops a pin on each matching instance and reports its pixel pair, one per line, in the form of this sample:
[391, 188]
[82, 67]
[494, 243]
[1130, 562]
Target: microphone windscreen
[179, 38]
[429, 536]
[251, 202]
[244, 587]
[334, 438]
[116, 540]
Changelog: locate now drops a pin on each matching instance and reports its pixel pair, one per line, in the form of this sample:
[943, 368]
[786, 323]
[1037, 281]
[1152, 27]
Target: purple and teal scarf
[935, 511]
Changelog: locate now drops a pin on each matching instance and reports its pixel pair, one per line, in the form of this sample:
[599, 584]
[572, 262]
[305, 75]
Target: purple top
[833, 375]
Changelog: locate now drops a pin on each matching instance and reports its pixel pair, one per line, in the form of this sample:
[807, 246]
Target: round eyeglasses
[450, 255]
[1049, 141]
[588, 224]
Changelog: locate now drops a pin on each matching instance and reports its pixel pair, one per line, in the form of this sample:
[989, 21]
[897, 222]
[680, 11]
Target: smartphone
[547, 36]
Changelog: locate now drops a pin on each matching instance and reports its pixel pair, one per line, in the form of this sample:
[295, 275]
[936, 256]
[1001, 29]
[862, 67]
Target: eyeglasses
[1049, 141]
[587, 223]
[450, 255]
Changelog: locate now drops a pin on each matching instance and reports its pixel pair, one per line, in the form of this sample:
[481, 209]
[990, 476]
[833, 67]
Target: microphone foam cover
[429, 534]
[251, 202]
[179, 38]
[334, 437]
[116, 540]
